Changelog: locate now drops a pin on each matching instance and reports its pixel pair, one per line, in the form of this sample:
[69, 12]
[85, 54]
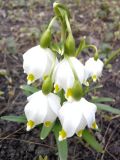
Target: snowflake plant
[61, 104]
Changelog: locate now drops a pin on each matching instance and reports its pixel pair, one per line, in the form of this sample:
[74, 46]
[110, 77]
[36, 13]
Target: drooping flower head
[37, 63]
[41, 109]
[75, 116]
[64, 77]
[93, 69]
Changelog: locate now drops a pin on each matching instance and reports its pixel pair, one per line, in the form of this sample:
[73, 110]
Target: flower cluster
[67, 75]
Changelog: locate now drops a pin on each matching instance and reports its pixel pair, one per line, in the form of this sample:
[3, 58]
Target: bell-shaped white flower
[93, 69]
[74, 116]
[64, 77]
[37, 63]
[41, 109]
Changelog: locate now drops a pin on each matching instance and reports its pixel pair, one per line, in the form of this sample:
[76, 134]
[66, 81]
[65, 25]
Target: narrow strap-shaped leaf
[102, 99]
[19, 119]
[29, 89]
[81, 46]
[45, 131]
[62, 145]
[108, 108]
[90, 139]
[112, 56]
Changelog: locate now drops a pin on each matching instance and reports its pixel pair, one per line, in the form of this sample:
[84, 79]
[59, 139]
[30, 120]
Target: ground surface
[21, 24]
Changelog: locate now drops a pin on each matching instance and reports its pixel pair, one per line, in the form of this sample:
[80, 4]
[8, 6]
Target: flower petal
[36, 110]
[54, 102]
[93, 68]
[79, 68]
[88, 110]
[38, 61]
[70, 117]
[63, 75]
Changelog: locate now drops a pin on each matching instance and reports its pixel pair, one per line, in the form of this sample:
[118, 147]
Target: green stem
[63, 34]
[95, 49]
[71, 65]
[68, 24]
[51, 22]
[53, 66]
[113, 55]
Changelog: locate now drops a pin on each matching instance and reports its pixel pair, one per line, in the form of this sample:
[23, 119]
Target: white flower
[93, 68]
[37, 63]
[63, 75]
[74, 116]
[41, 109]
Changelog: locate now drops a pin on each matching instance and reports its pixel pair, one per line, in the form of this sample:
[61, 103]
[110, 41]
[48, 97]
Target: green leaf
[112, 56]
[102, 99]
[62, 145]
[19, 119]
[108, 108]
[28, 89]
[90, 139]
[88, 89]
[81, 46]
[95, 87]
[62, 96]
[45, 131]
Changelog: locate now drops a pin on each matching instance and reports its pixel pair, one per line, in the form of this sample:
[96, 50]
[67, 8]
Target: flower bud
[47, 85]
[45, 39]
[77, 90]
[70, 45]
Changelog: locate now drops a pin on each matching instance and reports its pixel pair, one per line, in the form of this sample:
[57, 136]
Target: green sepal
[45, 39]
[70, 45]
[77, 91]
[61, 145]
[47, 85]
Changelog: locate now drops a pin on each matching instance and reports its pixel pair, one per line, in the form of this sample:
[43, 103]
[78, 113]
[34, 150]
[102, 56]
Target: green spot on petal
[79, 133]
[94, 78]
[30, 124]
[62, 134]
[69, 92]
[48, 123]
[94, 125]
[56, 88]
[30, 78]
